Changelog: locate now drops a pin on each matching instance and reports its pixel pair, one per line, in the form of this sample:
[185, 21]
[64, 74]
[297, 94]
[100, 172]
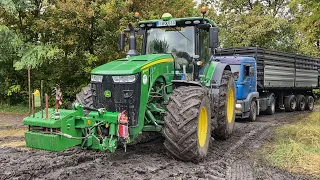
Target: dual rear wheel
[189, 123]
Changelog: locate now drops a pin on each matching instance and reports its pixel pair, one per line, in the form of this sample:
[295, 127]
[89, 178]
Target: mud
[232, 159]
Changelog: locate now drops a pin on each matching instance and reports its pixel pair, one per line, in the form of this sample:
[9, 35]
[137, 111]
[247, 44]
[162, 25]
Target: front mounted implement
[98, 130]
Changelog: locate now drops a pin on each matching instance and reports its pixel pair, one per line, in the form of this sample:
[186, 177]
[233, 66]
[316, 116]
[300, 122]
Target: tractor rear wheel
[187, 127]
[225, 104]
[84, 97]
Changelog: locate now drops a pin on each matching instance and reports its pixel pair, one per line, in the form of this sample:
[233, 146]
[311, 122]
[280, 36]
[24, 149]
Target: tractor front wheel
[187, 128]
[225, 107]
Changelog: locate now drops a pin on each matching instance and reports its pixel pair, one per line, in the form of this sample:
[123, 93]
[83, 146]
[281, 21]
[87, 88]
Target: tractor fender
[215, 83]
[217, 75]
[178, 83]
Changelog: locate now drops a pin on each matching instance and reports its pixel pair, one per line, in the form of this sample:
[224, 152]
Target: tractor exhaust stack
[132, 42]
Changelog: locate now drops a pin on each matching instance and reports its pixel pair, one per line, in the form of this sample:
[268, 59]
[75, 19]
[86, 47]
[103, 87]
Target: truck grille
[124, 96]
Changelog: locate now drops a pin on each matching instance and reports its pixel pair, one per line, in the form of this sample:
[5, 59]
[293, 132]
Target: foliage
[158, 46]
[307, 26]
[63, 40]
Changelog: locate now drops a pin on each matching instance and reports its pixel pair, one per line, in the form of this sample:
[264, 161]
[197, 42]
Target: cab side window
[204, 46]
[246, 71]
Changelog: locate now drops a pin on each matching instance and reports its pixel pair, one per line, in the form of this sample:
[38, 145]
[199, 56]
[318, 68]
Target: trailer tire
[253, 111]
[272, 108]
[301, 102]
[290, 103]
[187, 124]
[310, 103]
[224, 106]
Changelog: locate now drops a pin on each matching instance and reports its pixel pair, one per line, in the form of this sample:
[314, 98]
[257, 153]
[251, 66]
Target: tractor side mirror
[214, 33]
[122, 41]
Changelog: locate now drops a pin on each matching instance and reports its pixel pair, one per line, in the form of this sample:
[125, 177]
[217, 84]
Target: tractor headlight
[238, 106]
[96, 78]
[124, 79]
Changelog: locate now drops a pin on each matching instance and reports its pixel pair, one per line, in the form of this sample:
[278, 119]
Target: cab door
[249, 79]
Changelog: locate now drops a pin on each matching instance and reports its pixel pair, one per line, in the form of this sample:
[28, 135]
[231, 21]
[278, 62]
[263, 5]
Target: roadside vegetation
[15, 109]
[296, 147]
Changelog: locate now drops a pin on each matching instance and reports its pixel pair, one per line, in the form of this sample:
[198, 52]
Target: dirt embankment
[232, 159]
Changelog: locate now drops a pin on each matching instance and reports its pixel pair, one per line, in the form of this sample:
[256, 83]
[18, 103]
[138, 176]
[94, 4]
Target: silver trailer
[285, 78]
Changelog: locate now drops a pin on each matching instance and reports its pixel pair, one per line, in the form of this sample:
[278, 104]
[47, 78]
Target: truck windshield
[235, 69]
[171, 39]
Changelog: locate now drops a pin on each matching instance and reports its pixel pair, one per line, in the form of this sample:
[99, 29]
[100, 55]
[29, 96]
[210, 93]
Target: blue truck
[269, 80]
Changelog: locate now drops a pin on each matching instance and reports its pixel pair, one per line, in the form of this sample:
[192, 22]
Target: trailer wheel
[253, 111]
[272, 108]
[301, 102]
[290, 103]
[225, 107]
[310, 103]
[187, 124]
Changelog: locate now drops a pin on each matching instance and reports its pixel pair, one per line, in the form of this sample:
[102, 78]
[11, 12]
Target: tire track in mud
[238, 168]
[228, 159]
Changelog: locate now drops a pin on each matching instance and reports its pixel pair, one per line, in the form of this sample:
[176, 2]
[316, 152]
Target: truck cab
[244, 70]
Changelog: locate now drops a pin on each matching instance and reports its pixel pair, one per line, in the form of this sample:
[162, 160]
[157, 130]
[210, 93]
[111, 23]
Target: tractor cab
[189, 40]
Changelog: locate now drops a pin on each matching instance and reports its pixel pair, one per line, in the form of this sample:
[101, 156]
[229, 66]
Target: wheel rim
[202, 127]
[230, 105]
[293, 104]
[253, 107]
[310, 104]
[273, 106]
[302, 105]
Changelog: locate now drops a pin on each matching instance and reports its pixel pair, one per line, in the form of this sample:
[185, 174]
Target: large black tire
[301, 102]
[187, 127]
[310, 103]
[253, 111]
[224, 126]
[272, 108]
[84, 97]
[290, 103]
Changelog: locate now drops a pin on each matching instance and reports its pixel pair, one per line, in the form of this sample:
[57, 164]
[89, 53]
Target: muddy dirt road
[233, 159]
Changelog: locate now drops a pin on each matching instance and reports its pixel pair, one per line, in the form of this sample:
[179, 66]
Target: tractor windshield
[170, 39]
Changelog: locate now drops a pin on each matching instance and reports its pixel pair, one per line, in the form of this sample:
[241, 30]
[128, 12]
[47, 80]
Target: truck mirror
[122, 41]
[214, 32]
[251, 71]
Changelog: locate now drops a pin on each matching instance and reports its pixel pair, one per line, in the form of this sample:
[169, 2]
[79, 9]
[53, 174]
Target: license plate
[166, 23]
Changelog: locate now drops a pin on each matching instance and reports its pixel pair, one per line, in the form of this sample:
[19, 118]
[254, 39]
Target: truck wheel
[272, 108]
[225, 104]
[187, 124]
[310, 103]
[301, 102]
[290, 103]
[253, 111]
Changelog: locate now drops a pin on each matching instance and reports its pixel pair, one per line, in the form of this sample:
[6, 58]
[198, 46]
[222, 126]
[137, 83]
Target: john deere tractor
[173, 88]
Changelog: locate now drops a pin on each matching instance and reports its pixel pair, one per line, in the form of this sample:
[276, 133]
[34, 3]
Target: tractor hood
[131, 65]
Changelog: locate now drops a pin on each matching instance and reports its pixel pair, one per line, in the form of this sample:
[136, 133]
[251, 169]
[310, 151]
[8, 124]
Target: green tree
[307, 26]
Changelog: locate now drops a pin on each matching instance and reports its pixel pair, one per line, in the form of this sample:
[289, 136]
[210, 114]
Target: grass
[14, 144]
[16, 109]
[12, 132]
[296, 147]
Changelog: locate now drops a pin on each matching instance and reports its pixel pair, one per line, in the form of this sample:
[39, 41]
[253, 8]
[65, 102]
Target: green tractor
[171, 88]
